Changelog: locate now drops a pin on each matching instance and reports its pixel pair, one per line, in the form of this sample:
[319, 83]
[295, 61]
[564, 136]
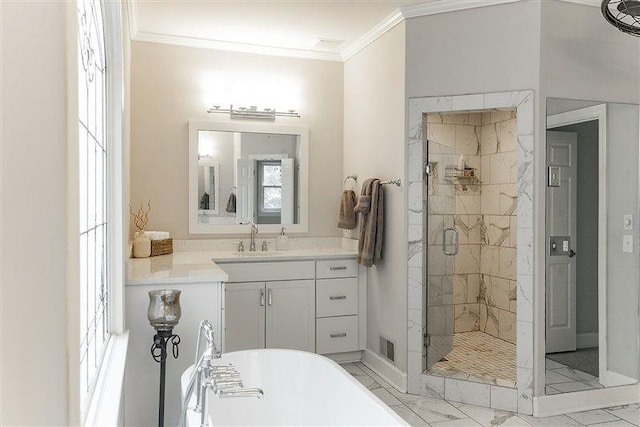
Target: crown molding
[444, 6]
[370, 36]
[432, 7]
[143, 36]
[594, 3]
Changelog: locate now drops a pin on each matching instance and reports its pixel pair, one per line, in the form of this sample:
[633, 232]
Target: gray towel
[347, 218]
[231, 203]
[370, 241]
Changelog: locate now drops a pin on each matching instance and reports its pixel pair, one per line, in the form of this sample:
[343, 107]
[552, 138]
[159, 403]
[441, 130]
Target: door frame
[599, 113]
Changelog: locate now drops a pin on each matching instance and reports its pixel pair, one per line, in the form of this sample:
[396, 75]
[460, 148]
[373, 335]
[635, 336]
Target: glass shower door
[442, 246]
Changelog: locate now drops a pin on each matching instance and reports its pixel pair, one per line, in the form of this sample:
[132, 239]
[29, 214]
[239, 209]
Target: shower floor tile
[477, 356]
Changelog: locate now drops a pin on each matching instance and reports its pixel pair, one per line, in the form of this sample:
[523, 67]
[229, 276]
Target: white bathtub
[300, 389]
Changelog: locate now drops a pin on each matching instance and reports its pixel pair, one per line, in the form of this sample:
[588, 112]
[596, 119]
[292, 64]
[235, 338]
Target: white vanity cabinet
[312, 305]
[337, 306]
[275, 314]
[270, 304]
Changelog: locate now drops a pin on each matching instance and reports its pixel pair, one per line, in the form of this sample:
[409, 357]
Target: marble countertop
[290, 255]
[202, 266]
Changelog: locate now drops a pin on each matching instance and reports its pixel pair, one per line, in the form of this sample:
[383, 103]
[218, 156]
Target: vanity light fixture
[252, 113]
[623, 14]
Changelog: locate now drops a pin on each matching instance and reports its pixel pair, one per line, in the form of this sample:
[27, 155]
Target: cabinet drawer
[332, 268]
[265, 271]
[336, 297]
[336, 334]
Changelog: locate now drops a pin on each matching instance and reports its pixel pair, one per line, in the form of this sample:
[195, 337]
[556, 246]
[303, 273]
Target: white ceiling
[291, 28]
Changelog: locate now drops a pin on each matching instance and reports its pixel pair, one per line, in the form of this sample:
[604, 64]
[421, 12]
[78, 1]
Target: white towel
[156, 235]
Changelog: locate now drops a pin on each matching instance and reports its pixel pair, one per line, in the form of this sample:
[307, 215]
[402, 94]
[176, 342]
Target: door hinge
[427, 340]
[427, 168]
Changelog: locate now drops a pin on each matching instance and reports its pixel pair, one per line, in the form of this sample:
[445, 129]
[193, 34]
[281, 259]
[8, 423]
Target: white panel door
[244, 316]
[291, 315]
[561, 216]
[287, 207]
[246, 191]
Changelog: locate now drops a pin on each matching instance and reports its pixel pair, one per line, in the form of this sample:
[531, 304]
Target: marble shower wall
[482, 275]
[499, 163]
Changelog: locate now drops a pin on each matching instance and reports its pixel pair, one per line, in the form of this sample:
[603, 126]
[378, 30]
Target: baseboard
[351, 356]
[385, 369]
[557, 404]
[587, 340]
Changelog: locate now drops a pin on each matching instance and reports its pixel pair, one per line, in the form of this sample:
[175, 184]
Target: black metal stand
[159, 354]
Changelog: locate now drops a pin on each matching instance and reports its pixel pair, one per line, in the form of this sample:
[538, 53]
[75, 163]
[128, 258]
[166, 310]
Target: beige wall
[33, 360]
[374, 147]
[169, 85]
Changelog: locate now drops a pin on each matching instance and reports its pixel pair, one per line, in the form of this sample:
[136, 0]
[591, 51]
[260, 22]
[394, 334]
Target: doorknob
[572, 253]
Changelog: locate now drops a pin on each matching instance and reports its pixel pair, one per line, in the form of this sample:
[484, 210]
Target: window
[270, 187]
[93, 194]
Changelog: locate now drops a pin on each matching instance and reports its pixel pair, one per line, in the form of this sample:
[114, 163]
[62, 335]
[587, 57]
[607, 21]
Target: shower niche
[471, 242]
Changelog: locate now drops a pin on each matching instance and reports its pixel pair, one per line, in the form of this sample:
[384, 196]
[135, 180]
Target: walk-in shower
[471, 241]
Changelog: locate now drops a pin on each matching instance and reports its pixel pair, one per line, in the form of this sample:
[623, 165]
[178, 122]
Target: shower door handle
[455, 241]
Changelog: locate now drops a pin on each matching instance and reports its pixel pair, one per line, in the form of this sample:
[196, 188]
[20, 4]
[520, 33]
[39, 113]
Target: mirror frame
[196, 126]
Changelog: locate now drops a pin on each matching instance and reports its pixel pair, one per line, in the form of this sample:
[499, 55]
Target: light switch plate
[628, 222]
[627, 243]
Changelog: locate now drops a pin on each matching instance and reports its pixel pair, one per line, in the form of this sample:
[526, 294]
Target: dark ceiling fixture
[623, 14]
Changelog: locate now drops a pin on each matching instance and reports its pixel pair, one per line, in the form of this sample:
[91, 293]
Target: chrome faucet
[254, 231]
[224, 380]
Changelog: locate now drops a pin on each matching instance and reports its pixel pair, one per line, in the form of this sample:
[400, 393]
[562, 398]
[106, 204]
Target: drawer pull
[340, 335]
[342, 267]
[335, 297]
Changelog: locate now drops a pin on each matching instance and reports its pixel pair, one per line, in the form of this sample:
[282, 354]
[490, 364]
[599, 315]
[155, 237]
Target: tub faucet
[223, 380]
[254, 231]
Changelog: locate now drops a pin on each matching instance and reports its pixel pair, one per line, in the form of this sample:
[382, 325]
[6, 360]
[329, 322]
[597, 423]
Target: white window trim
[104, 406]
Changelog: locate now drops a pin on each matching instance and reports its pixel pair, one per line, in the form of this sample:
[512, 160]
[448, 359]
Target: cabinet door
[291, 315]
[244, 316]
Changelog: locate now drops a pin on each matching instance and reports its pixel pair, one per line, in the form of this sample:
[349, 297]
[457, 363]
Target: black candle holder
[163, 314]
[159, 354]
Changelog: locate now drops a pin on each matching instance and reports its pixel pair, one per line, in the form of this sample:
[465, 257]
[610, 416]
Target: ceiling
[304, 28]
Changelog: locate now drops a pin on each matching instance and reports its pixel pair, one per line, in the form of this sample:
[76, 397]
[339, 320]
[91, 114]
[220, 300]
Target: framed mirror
[247, 172]
[591, 281]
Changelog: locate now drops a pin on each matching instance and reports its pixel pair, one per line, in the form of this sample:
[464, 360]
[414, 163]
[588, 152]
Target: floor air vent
[387, 349]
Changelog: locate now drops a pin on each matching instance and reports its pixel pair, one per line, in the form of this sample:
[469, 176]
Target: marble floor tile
[557, 373]
[353, 369]
[367, 381]
[552, 377]
[386, 397]
[420, 411]
[466, 422]
[373, 375]
[593, 417]
[552, 364]
[556, 421]
[550, 390]
[571, 387]
[409, 416]
[618, 423]
[490, 417]
[434, 410]
[630, 413]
